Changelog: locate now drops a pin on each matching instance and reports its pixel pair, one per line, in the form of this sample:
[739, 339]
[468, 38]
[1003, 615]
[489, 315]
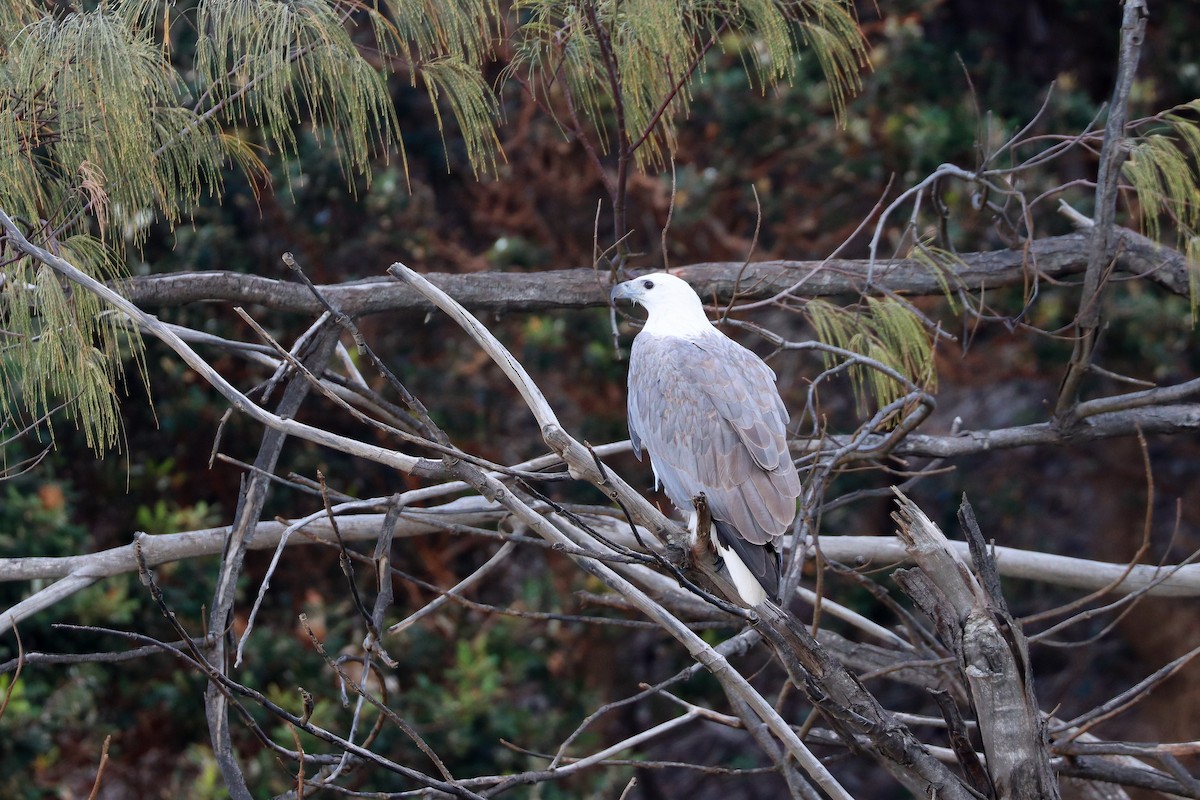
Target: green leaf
[650, 51]
[885, 330]
[1164, 168]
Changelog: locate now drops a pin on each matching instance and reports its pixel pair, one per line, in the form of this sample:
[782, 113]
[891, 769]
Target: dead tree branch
[991, 651]
[1058, 257]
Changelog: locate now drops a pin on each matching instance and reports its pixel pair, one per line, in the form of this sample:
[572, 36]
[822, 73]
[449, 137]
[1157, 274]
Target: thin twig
[100, 769]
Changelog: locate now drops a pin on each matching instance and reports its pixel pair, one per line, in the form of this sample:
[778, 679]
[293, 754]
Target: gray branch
[1104, 231]
[1153, 419]
[251, 499]
[992, 654]
[1055, 257]
[73, 573]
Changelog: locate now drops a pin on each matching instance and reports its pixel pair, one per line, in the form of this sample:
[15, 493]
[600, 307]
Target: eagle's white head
[672, 307]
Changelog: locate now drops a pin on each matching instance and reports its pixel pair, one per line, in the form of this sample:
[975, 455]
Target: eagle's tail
[753, 568]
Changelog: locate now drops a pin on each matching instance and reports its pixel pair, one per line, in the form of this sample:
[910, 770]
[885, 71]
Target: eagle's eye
[648, 284]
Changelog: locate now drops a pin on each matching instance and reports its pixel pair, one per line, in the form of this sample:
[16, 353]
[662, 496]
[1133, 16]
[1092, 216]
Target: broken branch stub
[991, 652]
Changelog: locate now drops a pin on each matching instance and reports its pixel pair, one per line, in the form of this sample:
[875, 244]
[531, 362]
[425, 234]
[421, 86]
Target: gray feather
[708, 413]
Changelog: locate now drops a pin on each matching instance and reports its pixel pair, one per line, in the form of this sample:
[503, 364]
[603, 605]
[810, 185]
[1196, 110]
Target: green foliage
[474, 106]
[832, 33]
[268, 62]
[654, 47]
[65, 349]
[106, 125]
[462, 31]
[474, 701]
[36, 520]
[88, 111]
[167, 517]
[203, 780]
[1164, 169]
[111, 119]
[1150, 331]
[884, 330]
[942, 264]
[37, 523]
[35, 743]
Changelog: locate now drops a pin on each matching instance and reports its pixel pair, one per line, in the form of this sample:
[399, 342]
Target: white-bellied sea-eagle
[707, 411]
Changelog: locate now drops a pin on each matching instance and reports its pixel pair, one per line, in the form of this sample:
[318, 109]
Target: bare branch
[1100, 425]
[1057, 257]
[992, 654]
[1077, 573]
[1112, 154]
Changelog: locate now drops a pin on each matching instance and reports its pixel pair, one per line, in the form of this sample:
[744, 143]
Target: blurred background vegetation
[944, 74]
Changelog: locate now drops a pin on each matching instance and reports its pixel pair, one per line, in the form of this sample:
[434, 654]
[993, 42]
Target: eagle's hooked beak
[624, 291]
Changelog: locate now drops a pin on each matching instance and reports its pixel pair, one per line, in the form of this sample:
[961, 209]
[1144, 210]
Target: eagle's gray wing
[709, 414]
